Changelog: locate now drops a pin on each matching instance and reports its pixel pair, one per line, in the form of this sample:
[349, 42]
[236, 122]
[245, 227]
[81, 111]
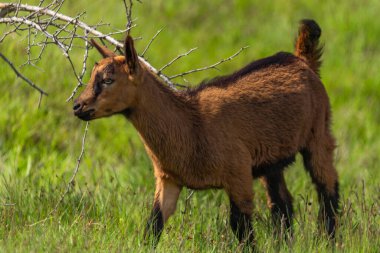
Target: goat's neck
[165, 122]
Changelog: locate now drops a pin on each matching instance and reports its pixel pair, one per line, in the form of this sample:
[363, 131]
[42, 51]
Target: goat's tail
[307, 44]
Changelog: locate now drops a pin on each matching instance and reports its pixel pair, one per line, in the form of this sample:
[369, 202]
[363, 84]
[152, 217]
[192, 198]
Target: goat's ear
[105, 52]
[131, 56]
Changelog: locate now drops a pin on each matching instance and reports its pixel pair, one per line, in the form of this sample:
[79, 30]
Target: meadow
[111, 199]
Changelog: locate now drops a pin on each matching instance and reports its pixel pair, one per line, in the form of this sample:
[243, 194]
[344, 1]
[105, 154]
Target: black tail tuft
[307, 44]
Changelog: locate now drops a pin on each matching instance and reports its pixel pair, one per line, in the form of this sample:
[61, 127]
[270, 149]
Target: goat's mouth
[85, 115]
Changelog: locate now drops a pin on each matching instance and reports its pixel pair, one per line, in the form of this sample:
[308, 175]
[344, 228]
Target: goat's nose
[77, 106]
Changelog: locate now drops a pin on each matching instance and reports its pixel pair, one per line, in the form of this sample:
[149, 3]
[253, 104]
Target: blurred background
[114, 186]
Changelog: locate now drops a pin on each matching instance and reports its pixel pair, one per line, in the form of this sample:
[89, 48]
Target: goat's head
[113, 84]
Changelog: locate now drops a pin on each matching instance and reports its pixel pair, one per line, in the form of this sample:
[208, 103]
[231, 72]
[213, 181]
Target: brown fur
[307, 44]
[221, 134]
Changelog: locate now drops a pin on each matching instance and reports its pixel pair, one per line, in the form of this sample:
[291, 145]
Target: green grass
[114, 188]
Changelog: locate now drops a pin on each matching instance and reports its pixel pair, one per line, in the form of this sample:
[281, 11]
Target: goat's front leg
[164, 205]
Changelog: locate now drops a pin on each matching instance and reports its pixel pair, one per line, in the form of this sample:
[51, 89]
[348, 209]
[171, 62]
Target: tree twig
[18, 74]
[71, 181]
[176, 58]
[37, 27]
[128, 12]
[213, 66]
[84, 67]
[24, 7]
[150, 42]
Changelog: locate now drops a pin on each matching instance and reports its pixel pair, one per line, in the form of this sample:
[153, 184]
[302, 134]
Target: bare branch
[84, 67]
[56, 12]
[180, 85]
[175, 59]
[76, 36]
[37, 27]
[73, 68]
[18, 74]
[128, 12]
[60, 16]
[80, 24]
[71, 181]
[65, 41]
[213, 66]
[150, 42]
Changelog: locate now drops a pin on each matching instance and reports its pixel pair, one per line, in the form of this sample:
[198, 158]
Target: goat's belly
[196, 180]
[268, 168]
[201, 182]
[203, 186]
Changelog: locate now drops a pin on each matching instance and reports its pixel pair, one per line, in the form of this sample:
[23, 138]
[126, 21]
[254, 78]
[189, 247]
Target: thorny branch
[84, 67]
[128, 12]
[7, 8]
[71, 181]
[18, 74]
[213, 66]
[46, 26]
[176, 58]
[150, 42]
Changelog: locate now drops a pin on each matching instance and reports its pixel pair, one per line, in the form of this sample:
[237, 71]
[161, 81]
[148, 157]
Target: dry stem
[71, 181]
[213, 66]
[41, 91]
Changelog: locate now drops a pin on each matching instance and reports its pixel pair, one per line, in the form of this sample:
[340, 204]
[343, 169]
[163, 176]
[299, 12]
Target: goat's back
[270, 109]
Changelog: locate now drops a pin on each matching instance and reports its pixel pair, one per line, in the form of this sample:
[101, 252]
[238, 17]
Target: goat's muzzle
[83, 115]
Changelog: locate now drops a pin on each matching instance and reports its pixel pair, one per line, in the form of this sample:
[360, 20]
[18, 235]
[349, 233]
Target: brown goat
[227, 131]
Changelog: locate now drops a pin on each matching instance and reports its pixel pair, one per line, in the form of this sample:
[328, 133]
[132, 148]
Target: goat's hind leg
[241, 205]
[279, 201]
[318, 160]
[241, 223]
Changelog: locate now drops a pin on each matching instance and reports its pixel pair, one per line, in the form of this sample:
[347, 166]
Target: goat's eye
[107, 81]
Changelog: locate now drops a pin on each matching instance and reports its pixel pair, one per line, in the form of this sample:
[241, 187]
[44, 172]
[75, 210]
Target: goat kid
[226, 132]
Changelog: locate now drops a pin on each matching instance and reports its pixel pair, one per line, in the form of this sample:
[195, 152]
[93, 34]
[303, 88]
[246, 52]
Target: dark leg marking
[329, 201]
[155, 225]
[241, 225]
[281, 201]
[329, 208]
